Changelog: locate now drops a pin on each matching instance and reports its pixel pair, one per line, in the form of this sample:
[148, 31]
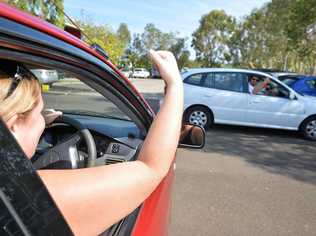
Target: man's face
[253, 81]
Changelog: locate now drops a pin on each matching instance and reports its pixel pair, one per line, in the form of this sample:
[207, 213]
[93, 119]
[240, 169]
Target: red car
[96, 99]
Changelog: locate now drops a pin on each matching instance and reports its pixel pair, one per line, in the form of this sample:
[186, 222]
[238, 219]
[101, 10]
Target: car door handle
[255, 101]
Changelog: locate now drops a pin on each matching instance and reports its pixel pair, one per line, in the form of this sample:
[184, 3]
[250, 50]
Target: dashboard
[116, 141]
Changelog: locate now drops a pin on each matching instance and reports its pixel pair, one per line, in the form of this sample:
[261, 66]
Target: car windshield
[311, 84]
[289, 81]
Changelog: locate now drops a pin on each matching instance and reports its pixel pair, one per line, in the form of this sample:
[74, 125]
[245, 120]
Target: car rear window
[229, 81]
[195, 79]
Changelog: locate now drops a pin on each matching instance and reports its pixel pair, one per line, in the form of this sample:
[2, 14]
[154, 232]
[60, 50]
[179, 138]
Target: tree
[260, 40]
[301, 32]
[180, 52]
[50, 10]
[124, 34]
[151, 37]
[105, 37]
[154, 38]
[210, 40]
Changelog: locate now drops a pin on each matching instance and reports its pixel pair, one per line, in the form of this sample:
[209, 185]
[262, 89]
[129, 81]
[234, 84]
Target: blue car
[303, 84]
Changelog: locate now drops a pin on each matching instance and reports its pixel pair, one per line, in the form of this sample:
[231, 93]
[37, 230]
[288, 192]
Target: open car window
[63, 91]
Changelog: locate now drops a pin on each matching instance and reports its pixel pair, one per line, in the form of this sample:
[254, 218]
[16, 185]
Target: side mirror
[292, 96]
[192, 136]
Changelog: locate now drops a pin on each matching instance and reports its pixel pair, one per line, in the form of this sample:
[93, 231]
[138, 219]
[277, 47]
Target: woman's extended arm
[93, 199]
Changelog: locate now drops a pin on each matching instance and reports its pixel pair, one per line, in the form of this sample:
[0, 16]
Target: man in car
[255, 86]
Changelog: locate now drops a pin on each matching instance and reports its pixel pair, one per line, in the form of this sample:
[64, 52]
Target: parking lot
[245, 181]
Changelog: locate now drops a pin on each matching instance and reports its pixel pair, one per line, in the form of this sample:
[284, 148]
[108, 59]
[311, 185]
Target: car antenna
[93, 45]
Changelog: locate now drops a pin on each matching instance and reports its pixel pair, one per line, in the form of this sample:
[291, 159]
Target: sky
[167, 15]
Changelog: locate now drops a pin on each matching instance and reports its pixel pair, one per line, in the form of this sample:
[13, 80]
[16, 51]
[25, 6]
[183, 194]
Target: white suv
[140, 73]
[222, 96]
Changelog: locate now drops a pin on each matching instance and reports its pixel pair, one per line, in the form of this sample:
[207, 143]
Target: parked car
[127, 73]
[303, 84]
[46, 76]
[140, 73]
[222, 96]
[111, 110]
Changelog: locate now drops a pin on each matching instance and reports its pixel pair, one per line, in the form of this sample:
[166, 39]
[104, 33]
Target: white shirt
[250, 88]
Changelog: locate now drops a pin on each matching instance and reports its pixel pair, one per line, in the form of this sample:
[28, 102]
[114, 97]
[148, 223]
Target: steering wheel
[65, 155]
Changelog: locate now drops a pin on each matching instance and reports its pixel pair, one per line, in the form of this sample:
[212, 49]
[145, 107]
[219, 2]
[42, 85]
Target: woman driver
[91, 199]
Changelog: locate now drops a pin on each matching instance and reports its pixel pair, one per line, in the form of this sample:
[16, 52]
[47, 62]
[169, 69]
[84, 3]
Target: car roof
[278, 74]
[208, 70]
[296, 76]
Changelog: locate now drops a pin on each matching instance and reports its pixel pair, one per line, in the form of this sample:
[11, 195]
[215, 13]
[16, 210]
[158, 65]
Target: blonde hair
[23, 99]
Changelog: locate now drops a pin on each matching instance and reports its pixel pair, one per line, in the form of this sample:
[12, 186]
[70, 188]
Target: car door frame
[29, 42]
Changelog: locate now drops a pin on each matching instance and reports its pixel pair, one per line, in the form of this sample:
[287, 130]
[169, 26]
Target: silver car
[46, 76]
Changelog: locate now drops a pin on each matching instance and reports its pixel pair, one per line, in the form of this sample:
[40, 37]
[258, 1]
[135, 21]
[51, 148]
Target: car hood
[310, 98]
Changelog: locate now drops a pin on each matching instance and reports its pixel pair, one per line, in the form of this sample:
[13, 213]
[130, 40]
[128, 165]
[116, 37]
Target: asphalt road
[245, 181]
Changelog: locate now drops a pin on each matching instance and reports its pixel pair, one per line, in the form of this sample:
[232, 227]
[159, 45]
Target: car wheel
[308, 128]
[199, 116]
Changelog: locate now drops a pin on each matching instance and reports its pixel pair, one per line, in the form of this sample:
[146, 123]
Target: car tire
[308, 128]
[199, 115]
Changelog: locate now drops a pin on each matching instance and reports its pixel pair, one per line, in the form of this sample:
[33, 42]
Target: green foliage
[154, 38]
[264, 42]
[124, 34]
[301, 31]
[279, 35]
[105, 37]
[50, 10]
[211, 39]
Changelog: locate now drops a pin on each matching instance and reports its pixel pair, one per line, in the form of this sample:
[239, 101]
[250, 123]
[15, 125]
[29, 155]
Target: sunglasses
[20, 73]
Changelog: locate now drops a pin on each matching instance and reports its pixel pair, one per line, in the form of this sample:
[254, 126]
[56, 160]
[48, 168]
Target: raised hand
[167, 66]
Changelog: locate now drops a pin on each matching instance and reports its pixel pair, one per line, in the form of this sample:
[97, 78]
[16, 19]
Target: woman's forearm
[93, 199]
[162, 140]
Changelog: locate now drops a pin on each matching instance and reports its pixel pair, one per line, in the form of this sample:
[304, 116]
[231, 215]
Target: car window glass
[229, 81]
[311, 84]
[63, 91]
[288, 80]
[208, 81]
[194, 79]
